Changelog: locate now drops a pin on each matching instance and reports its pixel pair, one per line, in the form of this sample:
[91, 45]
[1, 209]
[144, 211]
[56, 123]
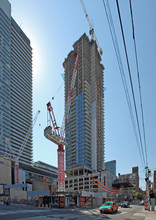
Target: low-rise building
[82, 179]
[5, 171]
[88, 185]
[36, 177]
[39, 177]
[46, 167]
[128, 184]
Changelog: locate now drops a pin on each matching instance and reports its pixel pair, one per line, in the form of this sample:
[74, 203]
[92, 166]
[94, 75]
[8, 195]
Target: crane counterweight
[52, 136]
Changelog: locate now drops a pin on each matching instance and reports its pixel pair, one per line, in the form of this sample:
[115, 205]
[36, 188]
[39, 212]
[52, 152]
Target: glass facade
[15, 87]
[21, 92]
[5, 80]
[68, 152]
[111, 166]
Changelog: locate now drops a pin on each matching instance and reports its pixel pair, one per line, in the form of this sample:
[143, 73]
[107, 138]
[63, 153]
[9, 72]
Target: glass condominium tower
[15, 87]
[85, 124]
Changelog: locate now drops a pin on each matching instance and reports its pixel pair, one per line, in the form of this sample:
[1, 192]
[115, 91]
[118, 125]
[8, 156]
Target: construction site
[80, 178]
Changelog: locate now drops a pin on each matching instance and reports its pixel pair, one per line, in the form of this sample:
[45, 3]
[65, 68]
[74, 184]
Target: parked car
[108, 207]
[125, 204]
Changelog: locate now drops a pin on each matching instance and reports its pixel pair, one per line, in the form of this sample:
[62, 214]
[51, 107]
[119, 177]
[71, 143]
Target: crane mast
[56, 134]
[52, 132]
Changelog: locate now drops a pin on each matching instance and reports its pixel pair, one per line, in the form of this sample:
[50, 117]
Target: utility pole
[147, 185]
[51, 190]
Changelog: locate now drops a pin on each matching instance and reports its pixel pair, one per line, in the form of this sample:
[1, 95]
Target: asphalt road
[22, 212]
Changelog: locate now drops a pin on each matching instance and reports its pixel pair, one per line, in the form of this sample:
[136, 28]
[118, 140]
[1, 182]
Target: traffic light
[146, 179]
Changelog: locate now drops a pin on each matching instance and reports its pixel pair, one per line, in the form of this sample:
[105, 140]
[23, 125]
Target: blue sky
[53, 26]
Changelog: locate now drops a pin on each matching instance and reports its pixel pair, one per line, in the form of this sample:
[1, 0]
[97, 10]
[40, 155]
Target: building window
[104, 181]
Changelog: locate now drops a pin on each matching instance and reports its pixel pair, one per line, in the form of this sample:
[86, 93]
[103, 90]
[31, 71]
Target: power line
[136, 57]
[130, 80]
[117, 52]
[58, 90]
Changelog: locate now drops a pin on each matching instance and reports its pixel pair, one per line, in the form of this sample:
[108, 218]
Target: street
[23, 212]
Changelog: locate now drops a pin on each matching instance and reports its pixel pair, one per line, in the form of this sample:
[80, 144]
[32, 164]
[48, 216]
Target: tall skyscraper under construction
[15, 86]
[85, 124]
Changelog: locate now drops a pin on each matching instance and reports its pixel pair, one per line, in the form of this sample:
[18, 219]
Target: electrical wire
[118, 56]
[142, 179]
[58, 90]
[136, 58]
[131, 83]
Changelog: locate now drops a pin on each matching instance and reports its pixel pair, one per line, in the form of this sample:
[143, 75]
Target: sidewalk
[150, 215]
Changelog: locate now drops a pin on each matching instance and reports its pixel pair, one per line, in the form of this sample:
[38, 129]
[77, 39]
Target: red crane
[56, 134]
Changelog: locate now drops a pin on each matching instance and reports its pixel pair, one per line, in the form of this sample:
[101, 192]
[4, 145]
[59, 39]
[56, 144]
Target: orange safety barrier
[104, 188]
[146, 205]
[112, 190]
[43, 206]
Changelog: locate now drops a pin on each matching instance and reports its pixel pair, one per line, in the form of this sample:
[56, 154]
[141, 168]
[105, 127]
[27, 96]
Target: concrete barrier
[43, 205]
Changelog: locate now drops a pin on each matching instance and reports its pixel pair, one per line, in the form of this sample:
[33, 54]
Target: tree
[138, 195]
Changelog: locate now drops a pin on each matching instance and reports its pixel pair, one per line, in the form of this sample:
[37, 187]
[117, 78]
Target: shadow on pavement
[102, 215]
[105, 216]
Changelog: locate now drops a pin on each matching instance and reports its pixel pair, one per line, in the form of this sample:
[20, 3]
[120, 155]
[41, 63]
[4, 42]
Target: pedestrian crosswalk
[123, 213]
[139, 214]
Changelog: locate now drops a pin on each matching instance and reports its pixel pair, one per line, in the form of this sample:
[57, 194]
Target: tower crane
[16, 155]
[56, 134]
[92, 33]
